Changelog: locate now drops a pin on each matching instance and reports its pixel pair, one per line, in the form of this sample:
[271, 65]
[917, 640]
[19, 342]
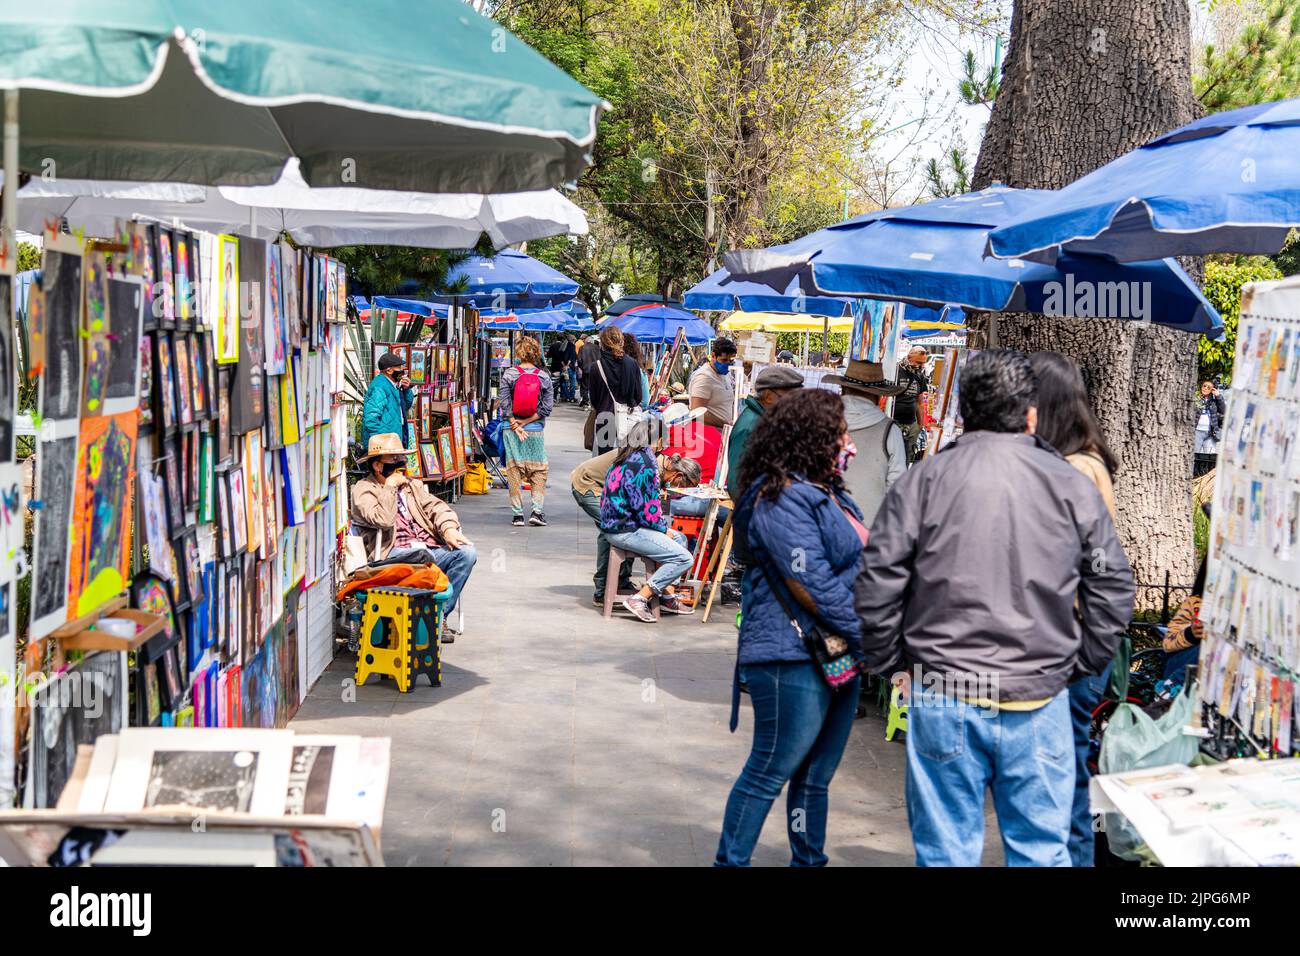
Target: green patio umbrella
[386, 94]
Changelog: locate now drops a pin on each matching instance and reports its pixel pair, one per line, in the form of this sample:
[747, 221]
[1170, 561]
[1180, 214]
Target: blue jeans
[1085, 695]
[800, 729]
[455, 563]
[669, 550]
[689, 507]
[569, 384]
[956, 751]
[590, 505]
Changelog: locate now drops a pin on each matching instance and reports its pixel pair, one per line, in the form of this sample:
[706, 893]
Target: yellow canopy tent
[780, 322]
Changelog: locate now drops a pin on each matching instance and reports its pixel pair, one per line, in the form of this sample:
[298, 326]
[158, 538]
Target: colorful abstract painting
[101, 512]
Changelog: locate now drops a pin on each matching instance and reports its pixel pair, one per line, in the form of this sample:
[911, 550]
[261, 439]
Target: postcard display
[189, 455]
[1250, 661]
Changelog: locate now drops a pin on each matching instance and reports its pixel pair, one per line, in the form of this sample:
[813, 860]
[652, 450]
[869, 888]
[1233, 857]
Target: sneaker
[538, 519]
[640, 607]
[517, 521]
[598, 600]
[673, 605]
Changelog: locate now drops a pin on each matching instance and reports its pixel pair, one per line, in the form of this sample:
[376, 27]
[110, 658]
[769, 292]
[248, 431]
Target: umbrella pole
[9, 204]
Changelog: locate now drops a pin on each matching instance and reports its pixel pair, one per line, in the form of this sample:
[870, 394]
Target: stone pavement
[559, 738]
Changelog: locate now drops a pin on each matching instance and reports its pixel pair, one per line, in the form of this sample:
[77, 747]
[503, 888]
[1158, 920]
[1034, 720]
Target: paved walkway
[559, 738]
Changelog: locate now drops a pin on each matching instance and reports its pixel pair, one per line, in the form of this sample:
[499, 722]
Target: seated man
[412, 524]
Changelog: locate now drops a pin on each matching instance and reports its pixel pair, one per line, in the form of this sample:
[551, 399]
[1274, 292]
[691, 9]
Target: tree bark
[1084, 82]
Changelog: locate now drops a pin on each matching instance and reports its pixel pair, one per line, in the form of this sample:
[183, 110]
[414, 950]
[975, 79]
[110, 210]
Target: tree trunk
[1084, 82]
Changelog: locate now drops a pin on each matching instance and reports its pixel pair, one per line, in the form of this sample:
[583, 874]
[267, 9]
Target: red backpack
[526, 394]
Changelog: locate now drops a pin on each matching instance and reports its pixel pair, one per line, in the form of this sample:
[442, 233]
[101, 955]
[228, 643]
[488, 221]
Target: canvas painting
[166, 382]
[253, 484]
[165, 286]
[98, 347]
[153, 515]
[446, 456]
[227, 317]
[270, 503]
[238, 510]
[201, 360]
[56, 332]
[414, 465]
[101, 526]
[184, 386]
[145, 362]
[193, 569]
[291, 470]
[429, 460]
[225, 454]
[13, 559]
[274, 337]
[172, 476]
[184, 310]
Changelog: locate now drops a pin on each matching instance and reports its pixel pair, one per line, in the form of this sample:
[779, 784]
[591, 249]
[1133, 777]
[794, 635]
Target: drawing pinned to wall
[101, 524]
[227, 317]
[56, 468]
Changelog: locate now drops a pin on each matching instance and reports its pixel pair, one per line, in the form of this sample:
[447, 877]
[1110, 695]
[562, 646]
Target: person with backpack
[526, 397]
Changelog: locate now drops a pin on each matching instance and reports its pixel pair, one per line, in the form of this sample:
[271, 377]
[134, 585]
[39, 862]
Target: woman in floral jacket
[633, 520]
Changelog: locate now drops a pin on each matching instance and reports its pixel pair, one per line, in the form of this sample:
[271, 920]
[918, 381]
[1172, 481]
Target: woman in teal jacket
[388, 399]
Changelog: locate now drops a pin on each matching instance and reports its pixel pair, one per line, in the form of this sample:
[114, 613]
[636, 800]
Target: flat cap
[778, 376]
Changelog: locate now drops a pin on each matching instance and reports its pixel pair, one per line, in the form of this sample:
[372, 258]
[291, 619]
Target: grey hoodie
[976, 561]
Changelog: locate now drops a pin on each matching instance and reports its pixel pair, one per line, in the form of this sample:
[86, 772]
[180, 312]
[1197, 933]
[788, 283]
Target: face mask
[389, 467]
[847, 453]
[722, 368]
[396, 374]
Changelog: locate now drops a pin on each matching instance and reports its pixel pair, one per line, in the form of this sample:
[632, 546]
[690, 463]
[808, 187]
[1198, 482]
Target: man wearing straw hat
[403, 521]
[881, 457]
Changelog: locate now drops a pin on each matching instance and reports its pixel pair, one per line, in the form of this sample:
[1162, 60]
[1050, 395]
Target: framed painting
[225, 455]
[429, 459]
[100, 566]
[419, 364]
[227, 317]
[190, 446]
[181, 282]
[184, 380]
[164, 289]
[201, 377]
[144, 245]
[192, 568]
[414, 466]
[152, 499]
[273, 346]
[446, 456]
[207, 507]
[165, 382]
[172, 478]
[224, 532]
[253, 479]
[238, 510]
[146, 380]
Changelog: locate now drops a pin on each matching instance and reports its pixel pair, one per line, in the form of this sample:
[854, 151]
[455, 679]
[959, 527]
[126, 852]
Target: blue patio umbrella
[413, 306]
[508, 280]
[636, 300]
[933, 254]
[722, 292]
[658, 324]
[1229, 182]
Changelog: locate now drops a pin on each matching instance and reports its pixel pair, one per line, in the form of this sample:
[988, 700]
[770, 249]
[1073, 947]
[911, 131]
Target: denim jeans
[800, 729]
[956, 751]
[689, 507]
[1085, 695]
[669, 550]
[590, 505]
[455, 563]
[569, 384]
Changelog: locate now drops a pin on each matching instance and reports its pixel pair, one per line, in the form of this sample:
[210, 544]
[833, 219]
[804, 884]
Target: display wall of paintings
[877, 327]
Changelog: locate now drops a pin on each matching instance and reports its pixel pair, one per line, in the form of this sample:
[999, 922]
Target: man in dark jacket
[993, 571]
[770, 386]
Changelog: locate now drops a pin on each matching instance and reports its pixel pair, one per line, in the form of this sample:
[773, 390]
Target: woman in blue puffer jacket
[804, 535]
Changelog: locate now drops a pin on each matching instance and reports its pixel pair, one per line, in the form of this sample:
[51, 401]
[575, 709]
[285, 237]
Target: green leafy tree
[1223, 283]
[978, 87]
[937, 177]
[1261, 64]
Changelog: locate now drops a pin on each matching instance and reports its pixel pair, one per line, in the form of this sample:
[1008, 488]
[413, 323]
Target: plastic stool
[897, 714]
[401, 630]
[616, 558]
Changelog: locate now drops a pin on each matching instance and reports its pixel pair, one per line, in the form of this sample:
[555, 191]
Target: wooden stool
[616, 558]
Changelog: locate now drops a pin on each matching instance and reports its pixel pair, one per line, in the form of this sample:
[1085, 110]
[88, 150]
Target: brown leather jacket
[374, 510]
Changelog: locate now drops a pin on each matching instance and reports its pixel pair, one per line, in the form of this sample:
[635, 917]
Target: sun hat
[866, 377]
[386, 443]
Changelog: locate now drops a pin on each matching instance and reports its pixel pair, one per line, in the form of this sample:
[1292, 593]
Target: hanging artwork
[56, 467]
[207, 507]
[184, 310]
[253, 485]
[142, 256]
[56, 330]
[270, 503]
[225, 455]
[429, 460]
[291, 470]
[151, 593]
[145, 362]
[165, 382]
[101, 527]
[227, 317]
[191, 464]
[8, 371]
[165, 285]
[238, 510]
[292, 295]
[184, 388]
[274, 335]
[153, 515]
[289, 430]
[446, 456]
[193, 569]
[225, 534]
[201, 360]
[170, 451]
[247, 397]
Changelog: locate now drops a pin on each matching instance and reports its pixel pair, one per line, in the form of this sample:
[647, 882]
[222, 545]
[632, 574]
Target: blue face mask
[722, 368]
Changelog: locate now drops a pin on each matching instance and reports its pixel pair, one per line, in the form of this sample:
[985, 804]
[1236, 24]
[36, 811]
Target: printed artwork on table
[184, 386]
[274, 334]
[184, 310]
[56, 353]
[146, 380]
[165, 285]
[153, 515]
[101, 527]
[227, 318]
[225, 454]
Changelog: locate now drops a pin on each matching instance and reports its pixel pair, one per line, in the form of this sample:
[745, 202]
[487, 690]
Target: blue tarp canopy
[933, 254]
[658, 324]
[1229, 182]
[508, 280]
[722, 292]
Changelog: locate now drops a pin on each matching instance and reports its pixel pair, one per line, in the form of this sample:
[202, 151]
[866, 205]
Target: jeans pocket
[1053, 733]
[936, 728]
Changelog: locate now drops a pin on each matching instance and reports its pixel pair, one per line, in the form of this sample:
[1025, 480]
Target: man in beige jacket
[402, 521]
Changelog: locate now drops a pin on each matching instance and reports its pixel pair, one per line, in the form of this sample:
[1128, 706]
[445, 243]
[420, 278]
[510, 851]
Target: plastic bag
[477, 481]
[1135, 741]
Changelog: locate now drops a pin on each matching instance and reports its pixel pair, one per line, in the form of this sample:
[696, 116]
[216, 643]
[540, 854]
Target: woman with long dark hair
[615, 379]
[803, 536]
[1066, 422]
[632, 349]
